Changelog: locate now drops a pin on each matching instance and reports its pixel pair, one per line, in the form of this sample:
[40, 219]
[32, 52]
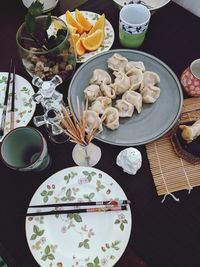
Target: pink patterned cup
[190, 79]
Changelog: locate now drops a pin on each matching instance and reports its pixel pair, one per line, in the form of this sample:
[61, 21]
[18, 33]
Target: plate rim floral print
[24, 105]
[108, 40]
[81, 235]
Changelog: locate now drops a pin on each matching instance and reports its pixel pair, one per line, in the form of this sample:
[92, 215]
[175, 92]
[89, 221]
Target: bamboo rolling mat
[170, 172]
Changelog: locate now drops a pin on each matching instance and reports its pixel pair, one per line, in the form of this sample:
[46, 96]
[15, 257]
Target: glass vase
[40, 55]
[86, 155]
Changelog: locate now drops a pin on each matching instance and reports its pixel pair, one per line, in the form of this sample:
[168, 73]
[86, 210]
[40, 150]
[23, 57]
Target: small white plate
[81, 240]
[24, 105]
[109, 35]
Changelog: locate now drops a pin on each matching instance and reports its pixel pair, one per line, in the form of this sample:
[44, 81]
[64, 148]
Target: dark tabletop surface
[163, 235]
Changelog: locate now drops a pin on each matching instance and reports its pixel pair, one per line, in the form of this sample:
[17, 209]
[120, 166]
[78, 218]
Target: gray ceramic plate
[154, 120]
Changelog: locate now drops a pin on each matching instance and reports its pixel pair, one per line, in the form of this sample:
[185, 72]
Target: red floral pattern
[190, 83]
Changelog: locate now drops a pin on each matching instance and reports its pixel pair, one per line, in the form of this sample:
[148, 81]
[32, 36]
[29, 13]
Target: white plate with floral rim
[78, 240]
[109, 35]
[24, 105]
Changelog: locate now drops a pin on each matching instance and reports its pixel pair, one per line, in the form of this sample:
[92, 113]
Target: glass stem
[87, 157]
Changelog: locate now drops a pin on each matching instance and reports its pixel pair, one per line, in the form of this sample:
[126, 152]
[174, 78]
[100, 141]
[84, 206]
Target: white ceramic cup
[48, 4]
[133, 24]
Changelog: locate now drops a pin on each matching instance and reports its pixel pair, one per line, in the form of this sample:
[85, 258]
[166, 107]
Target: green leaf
[115, 244]
[44, 193]
[117, 221]
[30, 23]
[86, 245]
[89, 178]
[44, 257]
[60, 39]
[71, 216]
[64, 199]
[80, 244]
[41, 232]
[122, 226]
[50, 193]
[96, 260]
[85, 172]
[67, 178]
[125, 221]
[92, 173]
[68, 193]
[36, 8]
[47, 250]
[36, 229]
[45, 199]
[47, 22]
[90, 264]
[63, 32]
[33, 237]
[86, 196]
[77, 218]
[73, 173]
[91, 195]
[51, 257]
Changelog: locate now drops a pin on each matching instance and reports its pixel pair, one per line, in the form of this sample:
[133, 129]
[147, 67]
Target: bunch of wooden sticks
[75, 126]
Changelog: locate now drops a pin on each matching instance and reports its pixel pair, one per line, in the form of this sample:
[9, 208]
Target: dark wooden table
[163, 235]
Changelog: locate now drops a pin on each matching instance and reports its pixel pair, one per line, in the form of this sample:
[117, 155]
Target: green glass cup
[25, 149]
[133, 24]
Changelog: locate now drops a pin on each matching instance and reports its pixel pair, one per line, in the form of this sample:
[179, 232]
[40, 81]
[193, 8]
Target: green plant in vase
[45, 45]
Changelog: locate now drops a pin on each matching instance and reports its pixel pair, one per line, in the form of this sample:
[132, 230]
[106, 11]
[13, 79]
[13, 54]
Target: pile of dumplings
[109, 99]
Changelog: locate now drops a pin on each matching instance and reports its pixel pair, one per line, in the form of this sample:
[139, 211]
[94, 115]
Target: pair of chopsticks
[3, 118]
[105, 206]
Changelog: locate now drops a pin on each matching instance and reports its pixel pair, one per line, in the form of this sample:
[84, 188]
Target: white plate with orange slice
[92, 33]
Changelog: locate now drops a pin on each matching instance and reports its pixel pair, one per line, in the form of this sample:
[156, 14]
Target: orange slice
[71, 21]
[83, 21]
[72, 29]
[100, 24]
[83, 35]
[93, 41]
[80, 48]
[75, 37]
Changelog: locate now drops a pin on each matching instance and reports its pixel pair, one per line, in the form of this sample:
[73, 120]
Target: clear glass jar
[39, 56]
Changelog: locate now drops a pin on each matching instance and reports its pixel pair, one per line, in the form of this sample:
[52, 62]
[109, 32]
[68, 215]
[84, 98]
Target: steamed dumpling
[92, 92]
[136, 77]
[133, 98]
[111, 118]
[124, 108]
[92, 120]
[150, 78]
[135, 64]
[190, 133]
[117, 62]
[100, 104]
[99, 76]
[122, 82]
[107, 90]
[150, 94]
